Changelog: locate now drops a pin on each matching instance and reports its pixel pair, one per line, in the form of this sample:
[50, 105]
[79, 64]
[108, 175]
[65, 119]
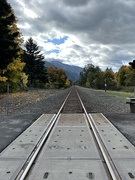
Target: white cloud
[24, 25]
[99, 32]
[30, 13]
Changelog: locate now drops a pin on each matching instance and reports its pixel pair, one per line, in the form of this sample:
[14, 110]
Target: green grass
[119, 94]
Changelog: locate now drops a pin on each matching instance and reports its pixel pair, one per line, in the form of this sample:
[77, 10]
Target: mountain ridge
[71, 71]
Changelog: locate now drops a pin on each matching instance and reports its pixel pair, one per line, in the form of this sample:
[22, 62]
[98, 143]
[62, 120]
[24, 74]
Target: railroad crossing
[71, 144]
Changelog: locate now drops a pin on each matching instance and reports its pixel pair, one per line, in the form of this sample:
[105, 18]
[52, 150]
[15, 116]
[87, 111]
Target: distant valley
[72, 72]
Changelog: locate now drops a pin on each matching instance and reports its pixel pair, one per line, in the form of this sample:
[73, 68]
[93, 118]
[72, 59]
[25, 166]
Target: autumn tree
[67, 83]
[34, 64]
[57, 78]
[61, 78]
[93, 77]
[125, 76]
[121, 76]
[17, 79]
[109, 78]
[10, 49]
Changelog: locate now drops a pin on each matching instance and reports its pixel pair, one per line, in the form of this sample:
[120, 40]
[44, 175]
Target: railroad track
[71, 144]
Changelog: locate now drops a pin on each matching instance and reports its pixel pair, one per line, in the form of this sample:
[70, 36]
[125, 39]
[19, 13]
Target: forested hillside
[72, 72]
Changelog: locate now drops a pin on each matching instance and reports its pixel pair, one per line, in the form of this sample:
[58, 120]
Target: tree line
[93, 77]
[22, 67]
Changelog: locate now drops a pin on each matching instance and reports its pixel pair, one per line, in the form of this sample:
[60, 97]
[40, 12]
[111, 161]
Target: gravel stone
[96, 101]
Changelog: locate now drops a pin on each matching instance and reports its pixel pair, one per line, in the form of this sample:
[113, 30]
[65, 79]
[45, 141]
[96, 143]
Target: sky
[80, 32]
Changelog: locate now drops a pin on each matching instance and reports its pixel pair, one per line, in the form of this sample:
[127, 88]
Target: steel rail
[109, 159]
[109, 164]
[22, 175]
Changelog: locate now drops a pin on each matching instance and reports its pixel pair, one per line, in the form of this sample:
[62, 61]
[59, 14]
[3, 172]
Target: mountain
[72, 72]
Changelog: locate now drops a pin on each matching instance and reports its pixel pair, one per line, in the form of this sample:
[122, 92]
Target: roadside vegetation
[93, 77]
[119, 94]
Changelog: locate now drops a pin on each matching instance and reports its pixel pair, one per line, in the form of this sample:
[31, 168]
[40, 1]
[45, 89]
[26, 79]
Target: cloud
[98, 32]
[75, 3]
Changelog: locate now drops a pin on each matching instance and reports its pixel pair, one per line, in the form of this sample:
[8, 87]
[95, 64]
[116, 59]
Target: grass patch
[119, 94]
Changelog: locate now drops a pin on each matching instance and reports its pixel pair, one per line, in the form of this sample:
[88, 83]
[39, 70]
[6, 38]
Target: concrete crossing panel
[126, 168]
[121, 151]
[117, 145]
[72, 120]
[69, 170]
[14, 156]
[9, 168]
[71, 142]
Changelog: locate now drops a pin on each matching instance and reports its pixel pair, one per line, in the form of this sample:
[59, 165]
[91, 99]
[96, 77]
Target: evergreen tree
[35, 65]
[10, 37]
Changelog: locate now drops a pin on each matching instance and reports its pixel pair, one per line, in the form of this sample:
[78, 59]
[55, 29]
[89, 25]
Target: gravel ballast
[23, 112]
[114, 108]
[98, 101]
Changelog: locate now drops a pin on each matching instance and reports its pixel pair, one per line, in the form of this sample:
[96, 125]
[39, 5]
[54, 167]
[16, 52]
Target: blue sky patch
[52, 51]
[58, 41]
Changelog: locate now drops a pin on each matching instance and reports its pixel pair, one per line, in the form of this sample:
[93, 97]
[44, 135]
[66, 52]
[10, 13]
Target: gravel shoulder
[25, 107]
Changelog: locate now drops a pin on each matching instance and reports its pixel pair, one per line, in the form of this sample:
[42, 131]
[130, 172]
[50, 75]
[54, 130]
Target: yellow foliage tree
[15, 76]
[67, 84]
[57, 77]
[3, 79]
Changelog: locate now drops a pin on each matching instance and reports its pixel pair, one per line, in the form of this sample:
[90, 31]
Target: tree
[10, 37]
[125, 76]
[67, 83]
[109, 78]
[61, 78]
[16, 78]
[82, 78]
[52, 76]
[57, 78]
[130, 76]
[35, 64]
[93, 75]
[121, 76]
[89, 76]
[99, 82]
[132, 64]
[10, 50]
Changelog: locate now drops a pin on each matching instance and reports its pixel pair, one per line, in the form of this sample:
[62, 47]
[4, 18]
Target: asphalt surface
[12, 127]
[125, 123]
